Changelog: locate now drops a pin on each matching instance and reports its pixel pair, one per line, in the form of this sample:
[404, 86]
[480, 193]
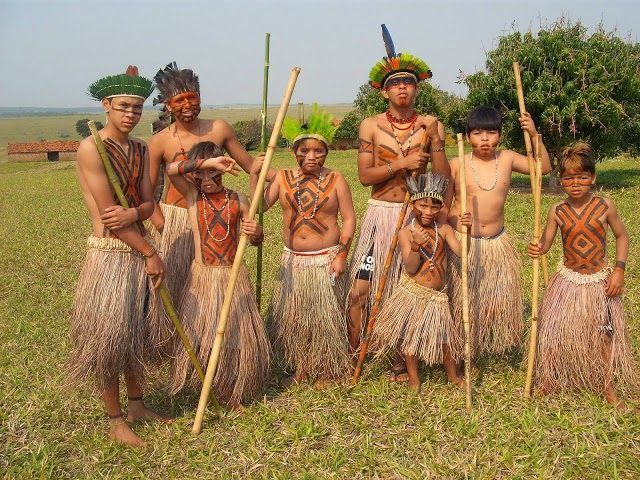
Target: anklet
[134, 399]
[113, 417]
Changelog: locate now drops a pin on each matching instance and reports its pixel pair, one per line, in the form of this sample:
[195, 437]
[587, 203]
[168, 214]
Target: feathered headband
[427, 185]
[170, 81]
[319, 125]
[128, 84]
[396, 63]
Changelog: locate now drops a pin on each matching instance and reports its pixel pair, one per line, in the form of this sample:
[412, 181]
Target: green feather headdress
[319, 125]
[427, 185]
[128, 84]
[396, 63]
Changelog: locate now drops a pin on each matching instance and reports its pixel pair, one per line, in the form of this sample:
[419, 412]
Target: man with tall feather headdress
[109, 330]
[180, 94]
[392, 145]
[306, 316]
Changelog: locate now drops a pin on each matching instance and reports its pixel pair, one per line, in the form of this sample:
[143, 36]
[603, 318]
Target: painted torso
[432, 277]
[584, 235]
[210, 251]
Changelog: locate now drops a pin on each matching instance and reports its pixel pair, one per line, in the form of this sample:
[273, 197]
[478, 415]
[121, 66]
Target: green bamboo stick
[263, 147]
[162, 290]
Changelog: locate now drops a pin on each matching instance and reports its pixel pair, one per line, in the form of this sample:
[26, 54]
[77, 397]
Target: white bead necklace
[315, 202]
[435, 245]
[475, 175]
[205, 201]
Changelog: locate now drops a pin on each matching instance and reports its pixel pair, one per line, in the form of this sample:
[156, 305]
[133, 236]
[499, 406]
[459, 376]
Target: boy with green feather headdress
[109, 327]
[392, 145]
[305, 318]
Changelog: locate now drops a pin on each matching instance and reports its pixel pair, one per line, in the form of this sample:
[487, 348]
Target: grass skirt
[378, 226]
[417, 321]
[495, 294]
[175, 246]
[306, 318]
[244, 360]
[109, 331]
[576, 321]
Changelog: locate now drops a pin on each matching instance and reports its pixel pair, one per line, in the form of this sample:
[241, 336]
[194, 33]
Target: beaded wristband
[621, 265]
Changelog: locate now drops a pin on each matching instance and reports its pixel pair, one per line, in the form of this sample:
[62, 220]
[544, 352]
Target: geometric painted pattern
[437, 275]
[584, 236]
[218, 253]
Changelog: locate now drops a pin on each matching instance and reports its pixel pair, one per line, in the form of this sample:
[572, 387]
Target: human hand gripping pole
[237, 262]
[464, 270]
[532, 169]
[162, 289]
[377, 300]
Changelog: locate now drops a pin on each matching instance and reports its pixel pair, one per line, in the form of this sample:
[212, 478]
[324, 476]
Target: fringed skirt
[378, 226]
[244, 360]
[175, 246]
[417, 321]
[577, 324]
[495, 294]
[305, 319]
[109, 331]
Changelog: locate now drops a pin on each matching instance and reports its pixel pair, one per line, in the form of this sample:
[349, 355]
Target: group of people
[321, 301]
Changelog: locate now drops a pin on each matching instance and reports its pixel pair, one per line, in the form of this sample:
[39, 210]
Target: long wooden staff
[237, 262]
[465, 273]
[377, 299]
[533, 340]
[263, 147]
[527, 143]
[162, 290]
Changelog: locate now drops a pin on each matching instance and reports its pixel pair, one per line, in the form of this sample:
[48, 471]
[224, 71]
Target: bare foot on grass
[414, 385]
[294, 379]
[322, 382]
[613, 400]
[139, 411]
[120, 432]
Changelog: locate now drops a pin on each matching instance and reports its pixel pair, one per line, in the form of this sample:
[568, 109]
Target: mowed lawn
[374, 430]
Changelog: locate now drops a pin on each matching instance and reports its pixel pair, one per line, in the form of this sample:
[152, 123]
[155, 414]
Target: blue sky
[52, 50]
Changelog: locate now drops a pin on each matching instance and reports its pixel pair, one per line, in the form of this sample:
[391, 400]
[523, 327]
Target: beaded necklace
[475, 175]
[401, 121]
[435, 245]
[206, 201]
[315, 202]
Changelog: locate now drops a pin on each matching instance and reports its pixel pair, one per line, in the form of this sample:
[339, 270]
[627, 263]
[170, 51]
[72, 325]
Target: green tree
[82, 127]
[577, 86]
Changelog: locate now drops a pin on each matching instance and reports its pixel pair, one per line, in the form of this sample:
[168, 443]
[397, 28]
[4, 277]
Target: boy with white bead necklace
[306, 316]
[495, 293]
[217, 216]
[416, 319]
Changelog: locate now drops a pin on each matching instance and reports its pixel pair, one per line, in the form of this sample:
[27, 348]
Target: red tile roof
[43, 147]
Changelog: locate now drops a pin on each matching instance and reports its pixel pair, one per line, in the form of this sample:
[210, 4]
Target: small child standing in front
[582, 337]
[416, 319]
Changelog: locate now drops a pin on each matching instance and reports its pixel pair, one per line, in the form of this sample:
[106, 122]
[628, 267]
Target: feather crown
[427, 185]
[396, 63]
[319, 125]
[171, 81]
[128, 84]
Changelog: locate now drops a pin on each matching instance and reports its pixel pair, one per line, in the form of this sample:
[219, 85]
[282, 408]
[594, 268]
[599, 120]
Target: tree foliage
[577, 87]
[249, 133]
[82, 127]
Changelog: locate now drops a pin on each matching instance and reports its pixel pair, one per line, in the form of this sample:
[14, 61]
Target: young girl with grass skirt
[217, 217]
[583, 342]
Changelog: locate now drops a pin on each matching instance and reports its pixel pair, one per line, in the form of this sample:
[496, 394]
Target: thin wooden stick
[465, 273]
[533, 340]
[377, 299]
[263, 147]
[532, 169]
[162, 290]
[237, 262]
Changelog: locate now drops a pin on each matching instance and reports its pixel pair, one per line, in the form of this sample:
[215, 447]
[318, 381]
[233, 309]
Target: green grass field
[375, 430]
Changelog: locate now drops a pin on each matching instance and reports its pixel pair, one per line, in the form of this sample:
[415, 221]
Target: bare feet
[139, 411]
[398, 373]
[456, 380]
[612, 399]
[120, 432]
[294, 379]
[414, 384]
[322, 382]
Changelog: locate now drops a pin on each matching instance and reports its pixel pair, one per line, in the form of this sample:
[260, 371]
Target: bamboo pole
[465, 273]
[162, 290]
[532, 169]
[533, 340]
[237, 262]
[377, 299]
[263, 147]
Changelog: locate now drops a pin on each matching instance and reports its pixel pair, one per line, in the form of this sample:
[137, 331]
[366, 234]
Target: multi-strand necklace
[393, 121]
[315, 202]
[206, 201]
[475, 175]
[431, 257]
